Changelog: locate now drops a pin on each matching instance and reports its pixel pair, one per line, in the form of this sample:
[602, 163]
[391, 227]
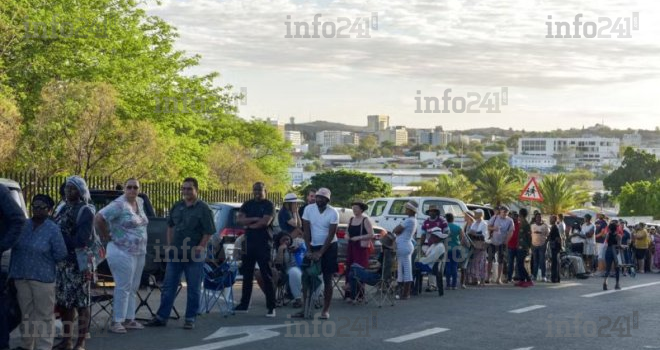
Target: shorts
[500, 250]
[589, 249]
[328, 260]
[601, 249]
[640, 253]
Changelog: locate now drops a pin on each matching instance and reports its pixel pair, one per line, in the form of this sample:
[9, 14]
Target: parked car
[16, 193]
[390, 212]
[488, 211]
[342, 242]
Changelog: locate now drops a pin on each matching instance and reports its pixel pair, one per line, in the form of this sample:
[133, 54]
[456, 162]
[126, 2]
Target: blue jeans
[193, 271]
[511, 262]
[538, 260]
[451, 269]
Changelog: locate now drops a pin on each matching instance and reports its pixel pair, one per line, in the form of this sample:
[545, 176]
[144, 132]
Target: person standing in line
[502, 231]
[524, 245]
[641, 246]
[455, 256]
[311, 199]
[124, 223]
[360, 232]
[256, 215]
[404, 249]
[600, 234]
[489, 249]
[12, 219]
[477, 233]
[320, 221]
[76, 221]
[512, 246]
[32, 267]
[189, 227]
[589, 232]
[556, 245]
[613, 241]
[561, 226]
[540, 233]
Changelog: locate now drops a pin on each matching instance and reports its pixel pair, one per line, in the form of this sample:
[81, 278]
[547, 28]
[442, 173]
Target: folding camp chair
[218, 286]
[101, 296]
[377, 288]
[152, 286]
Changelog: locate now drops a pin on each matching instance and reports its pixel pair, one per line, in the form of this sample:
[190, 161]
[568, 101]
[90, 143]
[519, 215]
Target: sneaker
[271, 313]
[242, 308]
[116, 327]
[545, 279]
[155, 322]
[189, 325]
[133, 325]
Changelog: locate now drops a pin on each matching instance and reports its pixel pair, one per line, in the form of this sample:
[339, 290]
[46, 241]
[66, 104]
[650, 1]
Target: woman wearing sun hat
[404, 249]
[288, 217]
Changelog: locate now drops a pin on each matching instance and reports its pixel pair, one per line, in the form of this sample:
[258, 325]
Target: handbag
[366, 243]
[90, 256]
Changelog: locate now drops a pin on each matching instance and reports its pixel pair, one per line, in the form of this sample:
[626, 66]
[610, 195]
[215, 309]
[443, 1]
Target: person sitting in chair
[429, 261]
[286, 262]
[372, 274]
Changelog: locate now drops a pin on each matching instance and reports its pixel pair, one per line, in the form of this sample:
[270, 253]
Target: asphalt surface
[548, 316]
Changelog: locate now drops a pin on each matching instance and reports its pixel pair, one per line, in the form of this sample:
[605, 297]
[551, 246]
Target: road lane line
[529, 348]
[525, 309]
[416, 335]
[565, 285]
[622, 289]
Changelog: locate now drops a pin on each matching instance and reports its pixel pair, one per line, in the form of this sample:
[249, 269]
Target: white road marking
[529, 348]
[525, 309]
[249, 334]
[565, 285]
[416, 335]
[622, 289]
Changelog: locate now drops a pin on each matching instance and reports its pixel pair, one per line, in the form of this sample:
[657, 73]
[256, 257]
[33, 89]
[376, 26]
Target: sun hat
[412, 205]
[291, 198]
[432, 207]
[324, 192]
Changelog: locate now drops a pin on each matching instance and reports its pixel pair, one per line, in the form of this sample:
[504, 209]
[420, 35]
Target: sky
[469, 46]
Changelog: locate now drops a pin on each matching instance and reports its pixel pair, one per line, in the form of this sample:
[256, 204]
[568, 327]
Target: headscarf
[81, 185]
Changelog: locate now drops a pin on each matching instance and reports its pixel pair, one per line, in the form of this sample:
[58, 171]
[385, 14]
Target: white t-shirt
[482, 227]
[432, 254]
[319, 223]
[585, 229]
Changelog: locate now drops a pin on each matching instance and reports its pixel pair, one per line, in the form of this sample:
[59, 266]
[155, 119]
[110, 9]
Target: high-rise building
[331, 138]
[440, 137]
[376, 123]
[294, 136]
[424, 136]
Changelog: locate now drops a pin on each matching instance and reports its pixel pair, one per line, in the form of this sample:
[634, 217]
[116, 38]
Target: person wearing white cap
[429, 261]
[320, 221]
[404, 249]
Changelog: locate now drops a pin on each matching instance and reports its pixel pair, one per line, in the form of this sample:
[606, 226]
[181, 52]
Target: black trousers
[554, 265]
[262, 257]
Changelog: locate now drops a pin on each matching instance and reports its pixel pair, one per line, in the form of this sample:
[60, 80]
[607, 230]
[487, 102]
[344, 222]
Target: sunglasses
[130, 187]
[40, 207]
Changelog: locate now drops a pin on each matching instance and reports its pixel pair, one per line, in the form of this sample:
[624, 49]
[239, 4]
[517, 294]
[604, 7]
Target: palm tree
[497, 186]
[560, 195]
[455, 186]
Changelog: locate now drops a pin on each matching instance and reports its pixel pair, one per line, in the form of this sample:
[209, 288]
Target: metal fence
[162, 194]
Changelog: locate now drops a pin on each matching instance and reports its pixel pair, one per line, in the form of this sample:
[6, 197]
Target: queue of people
[47, 272]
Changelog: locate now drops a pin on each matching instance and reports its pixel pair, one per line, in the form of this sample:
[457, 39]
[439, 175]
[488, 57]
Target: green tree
[347, 185]
[497, 186]
[560, 196]
[640, 198]
[10, 126]
[426, 188]
[455, 186]
[636, 166]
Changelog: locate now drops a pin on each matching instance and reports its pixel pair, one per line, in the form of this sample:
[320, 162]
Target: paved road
[571, 315]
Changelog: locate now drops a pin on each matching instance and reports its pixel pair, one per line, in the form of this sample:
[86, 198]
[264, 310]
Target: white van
[390, 212]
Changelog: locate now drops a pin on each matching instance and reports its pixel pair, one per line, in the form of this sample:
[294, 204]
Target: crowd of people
[49, 274]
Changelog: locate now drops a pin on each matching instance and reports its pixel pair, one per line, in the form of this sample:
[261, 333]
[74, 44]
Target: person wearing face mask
[32, 267]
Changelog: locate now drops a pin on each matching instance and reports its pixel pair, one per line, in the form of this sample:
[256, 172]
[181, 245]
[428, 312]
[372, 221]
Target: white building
[331, 138]
[440, 137]
[294, 136]
[632, 140]
[651, 150]
[532, 162]
[584, 151]
[423, 136]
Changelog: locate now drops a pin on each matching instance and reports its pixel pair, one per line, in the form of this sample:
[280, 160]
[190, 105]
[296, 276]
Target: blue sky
[465, 45]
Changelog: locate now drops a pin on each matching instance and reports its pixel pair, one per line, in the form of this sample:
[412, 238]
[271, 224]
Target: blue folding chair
[217, 287]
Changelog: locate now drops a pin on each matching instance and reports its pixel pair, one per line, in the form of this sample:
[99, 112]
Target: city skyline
[422, 49]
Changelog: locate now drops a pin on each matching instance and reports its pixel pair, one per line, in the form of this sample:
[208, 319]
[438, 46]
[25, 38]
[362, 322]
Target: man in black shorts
[320, 222]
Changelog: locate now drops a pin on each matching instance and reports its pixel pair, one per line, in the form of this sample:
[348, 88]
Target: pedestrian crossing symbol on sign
[531, 192]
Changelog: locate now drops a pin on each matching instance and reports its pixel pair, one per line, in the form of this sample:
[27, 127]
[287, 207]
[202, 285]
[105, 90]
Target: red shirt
[513, 242]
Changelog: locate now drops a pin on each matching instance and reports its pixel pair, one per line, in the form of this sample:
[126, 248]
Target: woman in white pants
[404, 249]
[124, 222]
